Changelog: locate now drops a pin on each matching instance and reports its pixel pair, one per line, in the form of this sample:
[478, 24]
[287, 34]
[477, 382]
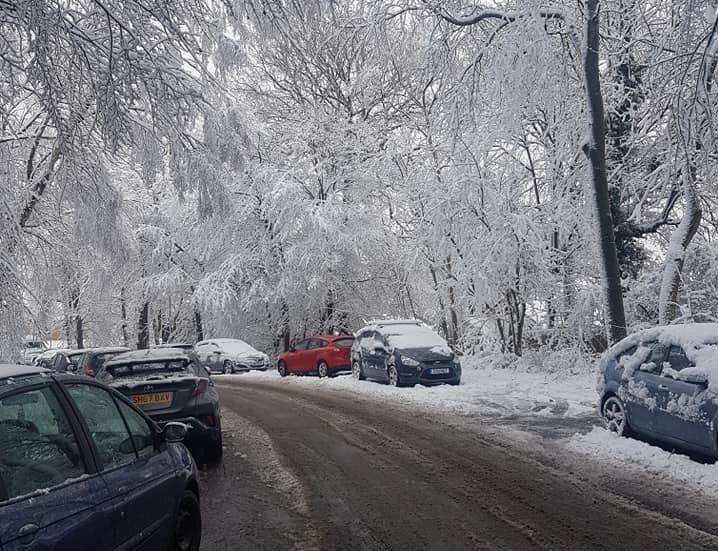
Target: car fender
[611, 387]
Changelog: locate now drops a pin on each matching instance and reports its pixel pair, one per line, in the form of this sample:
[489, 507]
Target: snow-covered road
[557, 409]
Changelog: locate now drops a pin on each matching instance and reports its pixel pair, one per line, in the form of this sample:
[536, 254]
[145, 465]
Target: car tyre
[282, 368]
[214, 450]
[228, 367]
[357, 371]
[393, 375]
[614, 414]
[323, 369]
[187, 531]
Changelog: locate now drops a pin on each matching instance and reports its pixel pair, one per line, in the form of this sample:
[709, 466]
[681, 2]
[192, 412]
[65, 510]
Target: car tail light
[201, 387]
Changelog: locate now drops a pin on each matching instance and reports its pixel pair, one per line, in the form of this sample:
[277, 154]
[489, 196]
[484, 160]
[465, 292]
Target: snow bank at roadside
[483, 391]
[628, 453]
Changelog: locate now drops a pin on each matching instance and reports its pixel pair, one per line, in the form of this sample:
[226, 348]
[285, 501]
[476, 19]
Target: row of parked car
[94, 443]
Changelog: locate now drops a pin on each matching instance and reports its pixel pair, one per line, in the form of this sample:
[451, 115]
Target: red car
[323, 355]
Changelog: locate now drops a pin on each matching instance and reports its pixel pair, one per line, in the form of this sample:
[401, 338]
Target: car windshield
[34, 344]
[344, 343]
[413, 336]
[236, 347]
[150, 369]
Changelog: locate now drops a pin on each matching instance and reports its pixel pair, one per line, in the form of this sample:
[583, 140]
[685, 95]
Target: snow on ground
[483, 391]
[653, 461]
[559, 405]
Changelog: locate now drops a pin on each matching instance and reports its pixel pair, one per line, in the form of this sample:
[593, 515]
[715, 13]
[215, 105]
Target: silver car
[230, 356]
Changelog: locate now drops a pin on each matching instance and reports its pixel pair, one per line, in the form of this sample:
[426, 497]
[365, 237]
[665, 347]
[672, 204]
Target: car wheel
[214, 450]
[357, 371]
[228, 367]
[614, 414]
[187, 532]
[393, 376]
[282, 368]
[323, 369]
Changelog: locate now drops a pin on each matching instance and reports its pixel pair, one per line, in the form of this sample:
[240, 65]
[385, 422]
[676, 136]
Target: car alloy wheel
[614, 413]
[357, 371]
[188, 524]
[393, 376]
[323, 369]
[282, 368]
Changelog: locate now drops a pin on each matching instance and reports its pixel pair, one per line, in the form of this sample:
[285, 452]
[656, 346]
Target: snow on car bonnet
[699, 341]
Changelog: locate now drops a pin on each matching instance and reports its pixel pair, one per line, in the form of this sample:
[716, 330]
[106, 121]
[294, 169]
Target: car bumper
[426, 378]
[200, 431]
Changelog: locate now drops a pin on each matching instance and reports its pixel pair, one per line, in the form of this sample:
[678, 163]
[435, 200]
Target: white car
[230, 356]
[32, 349]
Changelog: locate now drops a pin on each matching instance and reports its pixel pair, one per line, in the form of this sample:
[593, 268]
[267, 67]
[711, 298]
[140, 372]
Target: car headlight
[411, 362]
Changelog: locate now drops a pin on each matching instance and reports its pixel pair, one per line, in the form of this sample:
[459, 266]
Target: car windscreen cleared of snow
[344, 343]
[412, 336]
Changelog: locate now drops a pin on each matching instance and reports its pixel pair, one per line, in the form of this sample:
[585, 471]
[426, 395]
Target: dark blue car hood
[425, 354]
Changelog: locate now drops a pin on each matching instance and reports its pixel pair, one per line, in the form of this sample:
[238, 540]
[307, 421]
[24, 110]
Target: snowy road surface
[313, 464]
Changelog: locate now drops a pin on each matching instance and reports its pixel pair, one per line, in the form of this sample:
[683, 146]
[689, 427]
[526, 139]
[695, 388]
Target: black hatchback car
[81, 468]
[403, 353]
[168, 384]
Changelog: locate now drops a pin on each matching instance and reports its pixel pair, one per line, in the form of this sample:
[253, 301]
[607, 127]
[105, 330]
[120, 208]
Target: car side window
[678, 359]
[142, 435]
[106, 425]
[38, 448]
[316, 343]
[301, 345]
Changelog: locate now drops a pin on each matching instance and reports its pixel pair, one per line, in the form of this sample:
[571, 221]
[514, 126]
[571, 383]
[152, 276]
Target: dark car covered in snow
[663, 383]
[168, 384]
[403, 353]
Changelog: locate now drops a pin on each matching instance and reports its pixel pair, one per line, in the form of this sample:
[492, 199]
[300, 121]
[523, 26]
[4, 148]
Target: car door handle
[662, 387]
[27, 531]
[121, 490]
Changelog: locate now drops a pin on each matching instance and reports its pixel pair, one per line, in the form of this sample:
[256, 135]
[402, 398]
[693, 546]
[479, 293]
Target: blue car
[403, 353]
[82, 469]
[660, 383]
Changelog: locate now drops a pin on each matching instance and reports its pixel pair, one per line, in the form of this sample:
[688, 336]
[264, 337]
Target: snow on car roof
[699, 341]
[14, 370]
[105, 349]
[149, 355]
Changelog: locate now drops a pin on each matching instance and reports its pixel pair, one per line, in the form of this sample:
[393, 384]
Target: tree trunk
[680, 239]
[123, 314]
[198, 328]
[143, 328]
[596, 152]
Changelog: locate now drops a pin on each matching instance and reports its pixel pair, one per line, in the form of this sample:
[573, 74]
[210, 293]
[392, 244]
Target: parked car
[31, 349]
[663, 383]
[81, 468]
[168, 385]
[94, 358]
[46, 358]
[181, 345]
[403, 353]
[230, 356]
[63, 359]
[323, 355]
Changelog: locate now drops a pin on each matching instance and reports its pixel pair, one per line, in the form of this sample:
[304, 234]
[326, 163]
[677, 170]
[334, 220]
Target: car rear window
[163, 368]
[344, 343]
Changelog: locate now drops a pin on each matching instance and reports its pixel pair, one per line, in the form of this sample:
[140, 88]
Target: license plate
[440, 371]
[157, 399]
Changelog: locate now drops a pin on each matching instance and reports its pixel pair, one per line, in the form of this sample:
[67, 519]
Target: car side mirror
[174, 432]
[208, 370]
[292, 349]
[72, 367]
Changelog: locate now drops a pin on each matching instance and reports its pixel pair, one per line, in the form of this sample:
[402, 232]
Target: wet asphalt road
[306, 469]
